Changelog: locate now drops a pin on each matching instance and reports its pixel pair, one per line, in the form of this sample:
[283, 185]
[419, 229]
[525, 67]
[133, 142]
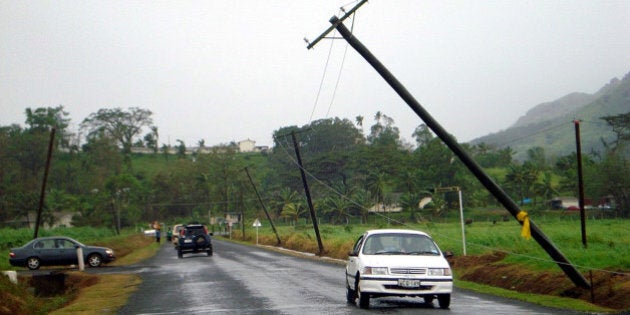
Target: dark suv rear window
[195, 230]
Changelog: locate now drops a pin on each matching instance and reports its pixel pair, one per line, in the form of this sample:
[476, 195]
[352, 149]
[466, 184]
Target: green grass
[608, 248]
[106, 295]
[544, 300]
[608, 240]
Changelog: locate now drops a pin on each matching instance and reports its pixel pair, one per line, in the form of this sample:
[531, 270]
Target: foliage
[348, 174]
[123, 126]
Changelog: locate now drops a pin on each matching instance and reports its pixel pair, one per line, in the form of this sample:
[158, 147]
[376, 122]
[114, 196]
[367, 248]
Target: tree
[383, 133]
[282, 198]
[123, 126]
[151, 139]
[612, 176]
[547, 188]
[123, 190]
[362, 200]
[293, 211]
[42, 119]
[410, 202]
[226, 172]
[423, 135]
[181, 149]
[536, 157]
[621, 127]
[337, 207]
[521, 179]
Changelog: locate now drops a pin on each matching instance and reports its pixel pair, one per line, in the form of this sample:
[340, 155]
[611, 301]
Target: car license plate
[408, 283]
[187, 241]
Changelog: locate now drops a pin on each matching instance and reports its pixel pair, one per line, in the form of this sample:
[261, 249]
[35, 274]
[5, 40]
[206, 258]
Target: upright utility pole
[308, 194]
[498, 193]
[578, 149]
[42, 195]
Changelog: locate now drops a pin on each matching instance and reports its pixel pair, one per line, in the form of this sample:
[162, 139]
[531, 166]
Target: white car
[393, 262]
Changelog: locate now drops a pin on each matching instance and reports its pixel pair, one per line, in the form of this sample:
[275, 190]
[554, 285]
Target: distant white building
[247, 145]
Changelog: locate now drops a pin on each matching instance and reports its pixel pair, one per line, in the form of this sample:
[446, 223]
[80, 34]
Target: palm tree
[282, 198]
[547, 188]
[409, 202]
[376, 185]
[293, 211]
[363, 200]
[337, 206]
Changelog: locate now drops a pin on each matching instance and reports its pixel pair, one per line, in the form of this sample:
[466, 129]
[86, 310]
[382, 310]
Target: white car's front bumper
[390, 286]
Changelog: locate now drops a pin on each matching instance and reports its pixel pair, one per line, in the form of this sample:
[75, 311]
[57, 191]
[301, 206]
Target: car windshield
[399, 244]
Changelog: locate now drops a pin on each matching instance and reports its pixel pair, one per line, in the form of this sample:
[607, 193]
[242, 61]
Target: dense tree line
[349, 172]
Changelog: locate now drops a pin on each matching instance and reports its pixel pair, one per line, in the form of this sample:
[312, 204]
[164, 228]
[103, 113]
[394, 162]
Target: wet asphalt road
[242, 279]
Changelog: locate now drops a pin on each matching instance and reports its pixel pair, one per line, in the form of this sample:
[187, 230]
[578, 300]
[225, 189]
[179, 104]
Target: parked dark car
[57, 251]
[194, 238]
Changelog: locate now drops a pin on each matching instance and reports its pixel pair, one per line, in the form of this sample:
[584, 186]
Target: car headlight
[375, 271]
[109, 251]
[439, 272]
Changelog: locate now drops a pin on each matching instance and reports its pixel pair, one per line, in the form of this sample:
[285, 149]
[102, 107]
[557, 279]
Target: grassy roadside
[86, 296]
[106, 294]
[539, 299]
[85, 293]
[500, 262]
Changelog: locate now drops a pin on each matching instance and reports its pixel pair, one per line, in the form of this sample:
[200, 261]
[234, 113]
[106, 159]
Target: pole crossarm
[332, 27]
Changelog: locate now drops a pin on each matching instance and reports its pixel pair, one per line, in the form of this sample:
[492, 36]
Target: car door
[67, 251]
[46, 251]
[353, 261]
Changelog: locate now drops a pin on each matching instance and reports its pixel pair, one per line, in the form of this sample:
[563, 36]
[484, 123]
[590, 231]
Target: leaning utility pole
[308, 194]
[262, 204]
[570, 270]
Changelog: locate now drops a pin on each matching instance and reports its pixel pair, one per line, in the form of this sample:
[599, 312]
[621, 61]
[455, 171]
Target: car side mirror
[352, 254]
[448, 254]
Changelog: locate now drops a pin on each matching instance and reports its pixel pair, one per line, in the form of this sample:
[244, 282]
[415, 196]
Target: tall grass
[608, 241]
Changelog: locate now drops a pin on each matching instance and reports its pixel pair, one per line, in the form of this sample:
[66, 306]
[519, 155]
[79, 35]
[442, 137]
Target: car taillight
[11, 254]
[205, 229]
[181, 232]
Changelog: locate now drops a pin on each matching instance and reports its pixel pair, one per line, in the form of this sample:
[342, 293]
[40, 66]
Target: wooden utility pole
[578, 146]
[308, 194]
[273, 227]
[42, 195]
[564, 264]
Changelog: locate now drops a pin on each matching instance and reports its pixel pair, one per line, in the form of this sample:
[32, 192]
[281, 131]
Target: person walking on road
[156, 227]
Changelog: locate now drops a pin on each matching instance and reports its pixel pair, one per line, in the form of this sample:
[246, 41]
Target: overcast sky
[226, 71]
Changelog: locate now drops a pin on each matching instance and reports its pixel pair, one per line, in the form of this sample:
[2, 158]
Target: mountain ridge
[550, 125]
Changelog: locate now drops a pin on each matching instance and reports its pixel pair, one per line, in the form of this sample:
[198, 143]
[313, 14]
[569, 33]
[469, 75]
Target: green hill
[551, 125]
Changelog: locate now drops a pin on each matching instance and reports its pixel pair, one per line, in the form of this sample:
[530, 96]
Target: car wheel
[429, 299]
[33, 263]
[95, 260]
[180, 254]
[351, 295]
[364, 298]
[444, 300]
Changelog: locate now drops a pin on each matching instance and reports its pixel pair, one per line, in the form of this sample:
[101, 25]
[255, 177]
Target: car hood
[399, 261]
[97, 248]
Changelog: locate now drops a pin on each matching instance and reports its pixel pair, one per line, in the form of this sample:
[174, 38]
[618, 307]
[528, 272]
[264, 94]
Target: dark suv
[194, 238]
